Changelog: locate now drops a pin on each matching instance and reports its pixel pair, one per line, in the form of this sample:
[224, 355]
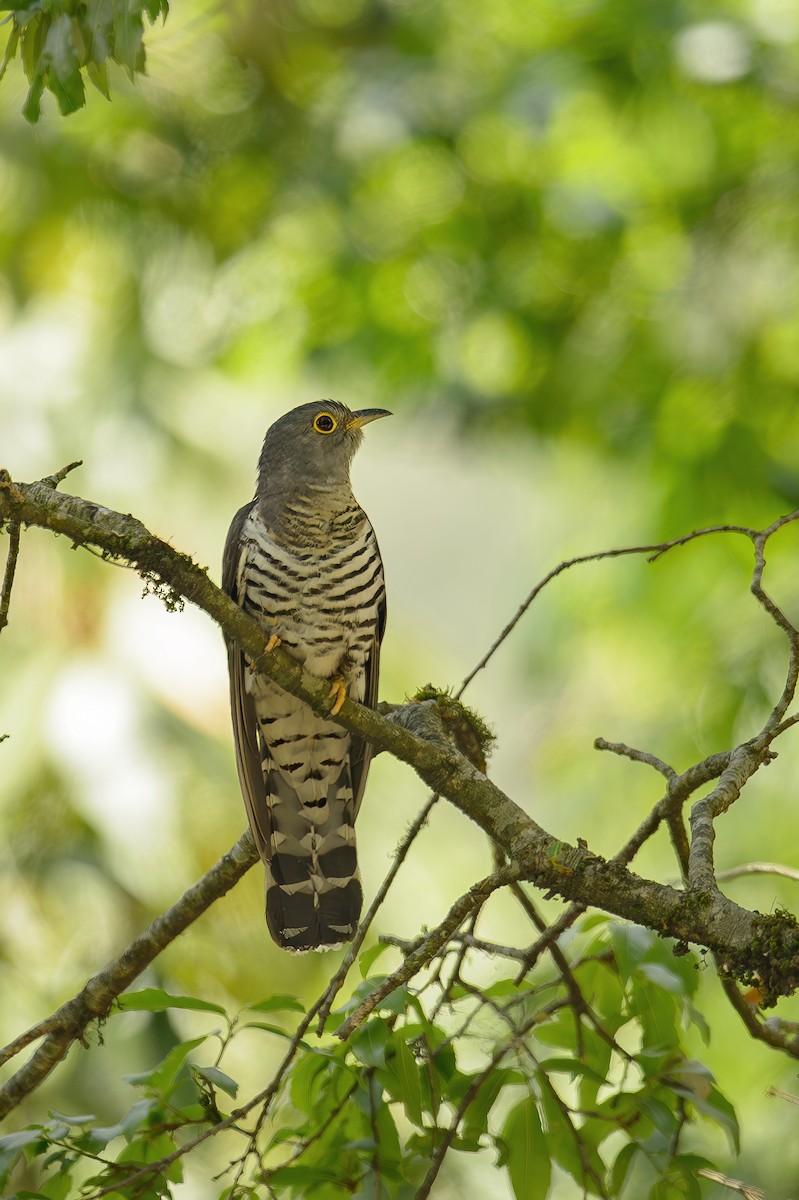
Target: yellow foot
[272, 644]
[338, 688]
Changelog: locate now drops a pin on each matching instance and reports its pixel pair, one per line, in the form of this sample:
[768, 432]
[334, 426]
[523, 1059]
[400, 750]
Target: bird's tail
[313, 888]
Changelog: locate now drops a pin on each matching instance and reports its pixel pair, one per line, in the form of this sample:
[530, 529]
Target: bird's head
[314, 443]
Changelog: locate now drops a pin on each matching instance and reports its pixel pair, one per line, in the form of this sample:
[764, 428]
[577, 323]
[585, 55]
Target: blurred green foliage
[558, 239]
[577, 215]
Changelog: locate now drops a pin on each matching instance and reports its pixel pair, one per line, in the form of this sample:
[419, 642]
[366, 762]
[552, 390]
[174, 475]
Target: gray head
[314, 443]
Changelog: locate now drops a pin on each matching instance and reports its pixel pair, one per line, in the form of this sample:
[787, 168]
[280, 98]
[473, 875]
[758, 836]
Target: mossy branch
[434, 734]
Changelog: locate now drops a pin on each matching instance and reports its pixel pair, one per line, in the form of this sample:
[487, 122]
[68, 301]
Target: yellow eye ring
[325, 423]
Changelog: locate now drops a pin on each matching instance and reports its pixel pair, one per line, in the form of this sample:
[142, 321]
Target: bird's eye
[324, 423]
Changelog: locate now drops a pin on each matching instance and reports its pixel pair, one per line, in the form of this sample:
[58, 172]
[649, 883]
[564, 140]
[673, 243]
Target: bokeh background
[559, 240]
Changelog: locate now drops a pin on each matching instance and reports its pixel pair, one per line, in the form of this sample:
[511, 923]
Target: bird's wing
[242, 704]
[361, 751]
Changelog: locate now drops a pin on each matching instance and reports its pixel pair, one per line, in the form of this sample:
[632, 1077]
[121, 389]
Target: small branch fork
[524, 851]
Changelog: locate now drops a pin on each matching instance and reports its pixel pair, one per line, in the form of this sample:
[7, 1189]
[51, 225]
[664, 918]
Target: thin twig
[778, 1094]
[319, 1132]
[680, 788]
[759, 868]
[655, 551]
[11, 566]
[641, 756]
[768, 1032]
[400, 855]
[747, 1190]
[466, 939]
[419, 958]
[60, 475]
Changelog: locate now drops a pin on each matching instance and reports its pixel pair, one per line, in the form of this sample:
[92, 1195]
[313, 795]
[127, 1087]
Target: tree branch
[68, 1023]
[749, 945]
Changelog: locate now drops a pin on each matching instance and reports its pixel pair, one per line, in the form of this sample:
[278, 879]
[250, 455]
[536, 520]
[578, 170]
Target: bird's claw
[338, 688]
[272, 644]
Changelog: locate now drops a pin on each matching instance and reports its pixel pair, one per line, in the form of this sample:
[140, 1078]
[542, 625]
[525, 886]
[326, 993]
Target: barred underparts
[303, 560]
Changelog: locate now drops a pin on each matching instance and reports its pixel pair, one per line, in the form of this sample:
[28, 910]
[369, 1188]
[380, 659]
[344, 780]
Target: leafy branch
[61, 43]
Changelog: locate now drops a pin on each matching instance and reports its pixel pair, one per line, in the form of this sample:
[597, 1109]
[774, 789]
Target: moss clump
[466, 728]
[771, 961]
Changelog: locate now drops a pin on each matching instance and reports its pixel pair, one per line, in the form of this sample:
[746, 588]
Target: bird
[303, 560]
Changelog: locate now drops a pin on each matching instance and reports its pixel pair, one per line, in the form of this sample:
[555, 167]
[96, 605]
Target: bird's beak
[365, 416]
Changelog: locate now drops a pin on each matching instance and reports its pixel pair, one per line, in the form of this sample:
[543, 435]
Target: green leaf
[150, 1150]
[475, 1121]
[559, 1032]
[371, 1186]
[156, 1000]
[668, 1189]
[687, 1168]
[98, 75]
[663, 1118]
[369, 1043]
[25, 1137]
[578, 1158]
[697, 1019]
[101, 1135]
[630, 944]
[662, 977]
[443, 1061]
[388, 1139]
[126, 1127]
[395, 1002]
[684, 966]
[268, 1028]
[12, 1144]
[162, 1076]
[573, 1067]
[622, 1167]
[191, 1113]
[32, 108]
[218, 1079]
[128, 36]
[718, 1108]
[83, 1119]
[593, 921]
[301, 1175]
[11, 50]
[99, 27]
[60, 58]
[657, 1011]
[286, 1134]
[33, 33]
[597, 1056]
[305, 1079]
[278, 1003]
[57, 1187]
[600, 981]
[500, 989]
[528, 1161]
[136, 1116]
[407, 1072]
[367, 958]
[694, 1076]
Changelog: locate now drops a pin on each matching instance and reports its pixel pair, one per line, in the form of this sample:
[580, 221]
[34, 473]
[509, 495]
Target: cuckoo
[303, 560]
